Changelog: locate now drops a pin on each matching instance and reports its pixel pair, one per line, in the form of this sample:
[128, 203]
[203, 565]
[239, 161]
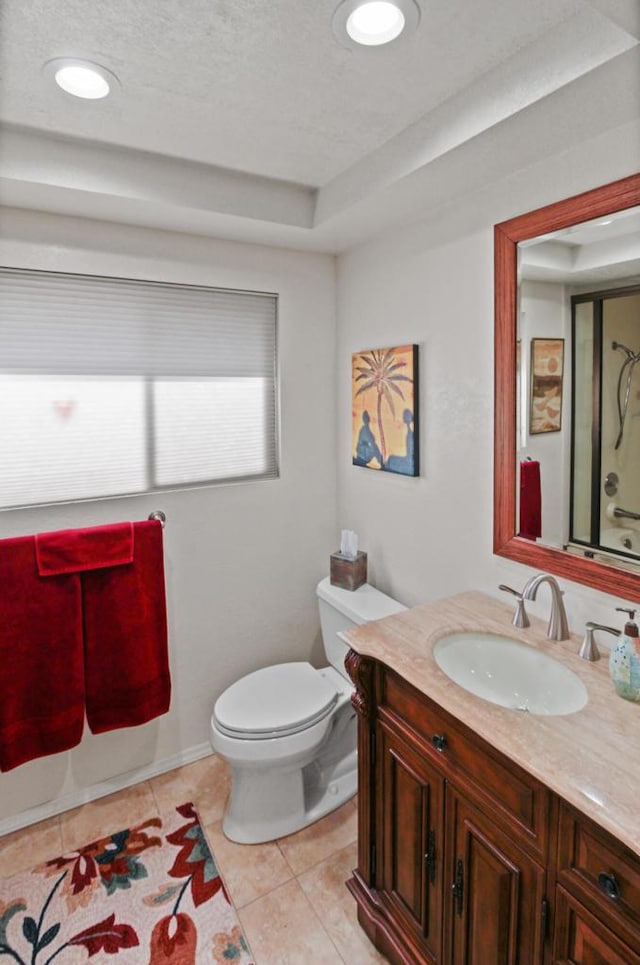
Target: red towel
[530, 500]
[77, 550]
[125, 637]
[68, 640]
[41, 658]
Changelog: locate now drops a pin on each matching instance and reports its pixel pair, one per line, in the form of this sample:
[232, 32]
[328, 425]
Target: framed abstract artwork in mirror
[583, 251]
[547, 364]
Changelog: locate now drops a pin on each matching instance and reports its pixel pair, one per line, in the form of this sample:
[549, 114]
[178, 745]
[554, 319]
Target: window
[111, 386]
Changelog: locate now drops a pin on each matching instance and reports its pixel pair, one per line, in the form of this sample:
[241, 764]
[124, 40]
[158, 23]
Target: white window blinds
[112, 386]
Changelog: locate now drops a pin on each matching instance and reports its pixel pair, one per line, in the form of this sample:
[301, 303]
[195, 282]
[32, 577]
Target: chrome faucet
[589, 649]
[624, 513]
[558, 628]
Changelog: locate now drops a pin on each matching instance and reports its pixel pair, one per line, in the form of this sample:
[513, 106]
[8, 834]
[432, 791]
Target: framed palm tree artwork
[384, 391]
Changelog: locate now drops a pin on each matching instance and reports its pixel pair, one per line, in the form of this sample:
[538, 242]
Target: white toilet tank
[342, 609]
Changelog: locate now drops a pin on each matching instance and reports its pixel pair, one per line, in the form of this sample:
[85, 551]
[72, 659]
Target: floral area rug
[149, 895]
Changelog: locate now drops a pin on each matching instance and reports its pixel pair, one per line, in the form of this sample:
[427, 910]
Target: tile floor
[290, 894]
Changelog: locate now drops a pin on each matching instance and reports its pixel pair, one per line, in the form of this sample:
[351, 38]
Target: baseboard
[118, 783]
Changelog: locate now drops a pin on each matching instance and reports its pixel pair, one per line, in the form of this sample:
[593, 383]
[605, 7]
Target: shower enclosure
[605, 444]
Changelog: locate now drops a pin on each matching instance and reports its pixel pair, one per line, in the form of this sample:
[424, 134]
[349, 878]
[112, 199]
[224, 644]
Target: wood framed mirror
[620, 578]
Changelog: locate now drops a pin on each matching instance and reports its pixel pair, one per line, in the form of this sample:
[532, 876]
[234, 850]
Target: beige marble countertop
[590, 758]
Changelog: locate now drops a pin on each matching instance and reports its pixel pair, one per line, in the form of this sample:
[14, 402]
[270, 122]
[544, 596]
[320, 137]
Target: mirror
[578, 387]
[560, 388]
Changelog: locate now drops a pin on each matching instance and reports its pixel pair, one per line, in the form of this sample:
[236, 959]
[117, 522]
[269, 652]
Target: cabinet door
[581, 939]
[411, 845]
[496, 908]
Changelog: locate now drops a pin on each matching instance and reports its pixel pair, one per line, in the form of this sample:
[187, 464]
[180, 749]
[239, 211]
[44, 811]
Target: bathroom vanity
[488, 835]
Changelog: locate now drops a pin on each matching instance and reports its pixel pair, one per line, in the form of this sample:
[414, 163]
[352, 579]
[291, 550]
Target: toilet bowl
[289, 731]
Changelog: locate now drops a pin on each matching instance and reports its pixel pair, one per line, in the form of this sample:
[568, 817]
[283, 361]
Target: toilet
[289, 731]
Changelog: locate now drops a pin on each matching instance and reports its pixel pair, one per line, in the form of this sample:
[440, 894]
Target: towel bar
[158, 514]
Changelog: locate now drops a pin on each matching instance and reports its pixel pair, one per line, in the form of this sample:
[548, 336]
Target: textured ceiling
[261, 86]
[251, 110]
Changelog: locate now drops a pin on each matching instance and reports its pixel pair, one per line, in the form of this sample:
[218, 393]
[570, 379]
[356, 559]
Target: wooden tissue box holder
[346, 573]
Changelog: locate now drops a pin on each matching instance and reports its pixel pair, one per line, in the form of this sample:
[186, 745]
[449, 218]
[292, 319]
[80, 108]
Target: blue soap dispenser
[624, 662]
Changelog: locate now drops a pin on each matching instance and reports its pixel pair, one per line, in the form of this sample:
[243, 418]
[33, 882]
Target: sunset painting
[385, 409]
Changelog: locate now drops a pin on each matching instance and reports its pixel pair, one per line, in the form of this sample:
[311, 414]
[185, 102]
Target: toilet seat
[275, 702]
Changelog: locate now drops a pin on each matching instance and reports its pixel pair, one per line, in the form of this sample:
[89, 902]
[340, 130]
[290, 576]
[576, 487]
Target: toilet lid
[275, 701]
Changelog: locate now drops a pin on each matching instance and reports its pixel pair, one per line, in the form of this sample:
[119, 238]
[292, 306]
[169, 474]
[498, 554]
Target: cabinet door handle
[610, 886]
[544, 918]
[439, 741]
[457, 888]
[430, 857]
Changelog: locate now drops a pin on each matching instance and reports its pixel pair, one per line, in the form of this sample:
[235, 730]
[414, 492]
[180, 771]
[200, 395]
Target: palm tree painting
[384, 409]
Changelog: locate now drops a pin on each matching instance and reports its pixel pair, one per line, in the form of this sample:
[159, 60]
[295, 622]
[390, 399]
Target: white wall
[242, 561]
[423, 535]
[432, 536]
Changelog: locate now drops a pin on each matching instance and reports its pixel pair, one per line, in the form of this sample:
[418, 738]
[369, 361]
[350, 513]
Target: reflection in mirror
[606, 434]
[579, 411]
[567, 400]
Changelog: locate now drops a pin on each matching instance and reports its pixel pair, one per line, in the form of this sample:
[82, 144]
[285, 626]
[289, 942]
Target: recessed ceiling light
[371, 23]
[602, 223]
[376, 22]
[81, 78]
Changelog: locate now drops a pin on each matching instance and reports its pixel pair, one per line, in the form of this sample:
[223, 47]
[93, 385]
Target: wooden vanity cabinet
[452, 868]
[464, 858]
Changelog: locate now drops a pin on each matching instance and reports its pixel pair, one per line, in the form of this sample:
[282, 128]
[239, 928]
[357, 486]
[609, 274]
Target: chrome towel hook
[159, 515]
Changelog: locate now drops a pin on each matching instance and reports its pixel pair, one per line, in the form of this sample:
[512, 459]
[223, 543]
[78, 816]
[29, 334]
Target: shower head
[628, 365]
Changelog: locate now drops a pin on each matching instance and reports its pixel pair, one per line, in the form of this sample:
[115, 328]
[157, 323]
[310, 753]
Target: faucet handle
[589, 649]
[520, 618]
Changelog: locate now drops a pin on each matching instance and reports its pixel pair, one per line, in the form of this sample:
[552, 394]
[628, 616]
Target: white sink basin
[510, 673]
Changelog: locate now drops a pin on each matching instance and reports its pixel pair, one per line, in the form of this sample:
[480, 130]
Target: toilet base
[285, 808]
[280, 785]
